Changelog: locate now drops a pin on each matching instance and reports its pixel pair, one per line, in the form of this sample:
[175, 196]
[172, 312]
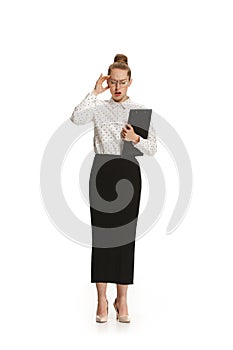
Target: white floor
[181, 298]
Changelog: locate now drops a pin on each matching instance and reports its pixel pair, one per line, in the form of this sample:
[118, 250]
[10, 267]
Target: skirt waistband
[114, 155]
[107, 156]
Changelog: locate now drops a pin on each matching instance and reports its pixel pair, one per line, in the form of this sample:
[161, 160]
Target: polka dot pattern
[109, 117]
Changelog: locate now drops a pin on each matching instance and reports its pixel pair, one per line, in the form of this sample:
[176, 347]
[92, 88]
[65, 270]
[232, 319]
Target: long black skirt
[114, 194]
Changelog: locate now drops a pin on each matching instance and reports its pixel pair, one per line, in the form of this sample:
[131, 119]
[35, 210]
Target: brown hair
[120, 62]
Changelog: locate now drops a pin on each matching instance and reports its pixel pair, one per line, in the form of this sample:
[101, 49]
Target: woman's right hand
[98, 89]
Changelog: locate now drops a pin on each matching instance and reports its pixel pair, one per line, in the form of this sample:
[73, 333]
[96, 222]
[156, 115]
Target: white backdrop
[180, 53]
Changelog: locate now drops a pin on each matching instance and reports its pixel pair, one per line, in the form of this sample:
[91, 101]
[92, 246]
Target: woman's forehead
[119, 74]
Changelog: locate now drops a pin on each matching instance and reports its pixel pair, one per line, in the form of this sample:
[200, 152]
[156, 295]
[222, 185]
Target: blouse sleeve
[149, 145]
[84, 111]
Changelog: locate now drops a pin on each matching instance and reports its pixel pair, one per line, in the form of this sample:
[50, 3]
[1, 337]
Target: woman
[113, 261]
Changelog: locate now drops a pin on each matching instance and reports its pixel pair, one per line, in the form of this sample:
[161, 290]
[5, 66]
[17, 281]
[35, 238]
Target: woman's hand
[98, 89]
[129, 134]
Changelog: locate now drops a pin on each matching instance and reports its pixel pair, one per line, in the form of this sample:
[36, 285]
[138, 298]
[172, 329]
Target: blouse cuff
[91, 94]
[146, 146]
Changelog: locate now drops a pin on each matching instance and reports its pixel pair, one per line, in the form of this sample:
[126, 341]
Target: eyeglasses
[121, 83]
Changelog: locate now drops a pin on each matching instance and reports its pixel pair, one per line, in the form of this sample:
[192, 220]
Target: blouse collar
[122, 104]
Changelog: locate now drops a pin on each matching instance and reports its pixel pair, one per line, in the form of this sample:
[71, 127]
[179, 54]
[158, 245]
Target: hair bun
[121, 58]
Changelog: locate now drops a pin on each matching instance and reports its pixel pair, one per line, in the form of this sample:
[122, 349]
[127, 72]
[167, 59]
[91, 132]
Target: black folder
[140, 120]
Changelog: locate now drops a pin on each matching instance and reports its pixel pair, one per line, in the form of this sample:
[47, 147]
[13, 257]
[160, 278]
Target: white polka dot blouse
[109, 117]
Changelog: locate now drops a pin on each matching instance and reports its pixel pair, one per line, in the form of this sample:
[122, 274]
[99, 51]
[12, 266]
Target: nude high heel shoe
[102, 318]
[120, 318]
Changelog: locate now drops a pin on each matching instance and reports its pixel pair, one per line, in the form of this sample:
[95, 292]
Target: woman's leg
[122, 299]
[102, 298]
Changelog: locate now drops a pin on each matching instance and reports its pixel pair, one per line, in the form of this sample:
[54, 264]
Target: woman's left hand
[129, 134]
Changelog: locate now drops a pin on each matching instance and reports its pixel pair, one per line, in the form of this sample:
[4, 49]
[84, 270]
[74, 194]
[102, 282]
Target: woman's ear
[130, 82]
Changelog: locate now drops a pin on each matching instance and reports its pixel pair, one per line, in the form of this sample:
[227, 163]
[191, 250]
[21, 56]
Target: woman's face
[118, 84]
